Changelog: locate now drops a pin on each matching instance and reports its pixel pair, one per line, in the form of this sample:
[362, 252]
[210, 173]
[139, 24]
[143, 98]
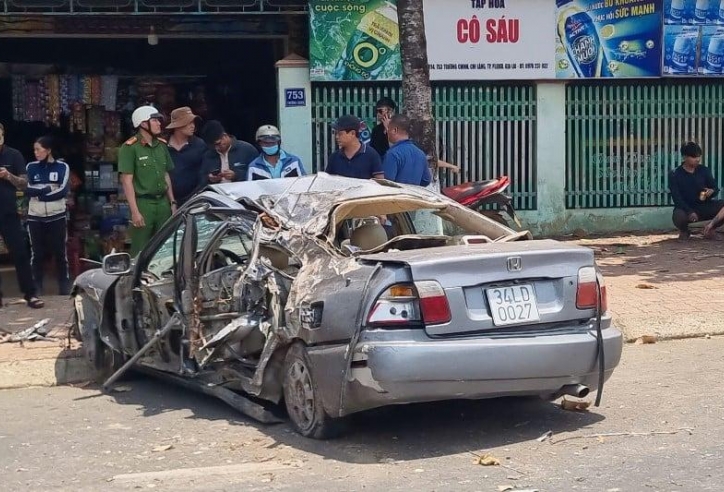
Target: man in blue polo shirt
[353, 159]
[404, 162]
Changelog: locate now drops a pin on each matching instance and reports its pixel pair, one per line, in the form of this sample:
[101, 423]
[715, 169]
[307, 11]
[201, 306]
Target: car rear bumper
[418, 368]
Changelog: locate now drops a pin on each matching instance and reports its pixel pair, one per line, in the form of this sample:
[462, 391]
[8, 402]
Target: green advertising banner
[354, 40]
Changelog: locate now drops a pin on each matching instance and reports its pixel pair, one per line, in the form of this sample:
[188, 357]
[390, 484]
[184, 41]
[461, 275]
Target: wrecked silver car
[337, 295]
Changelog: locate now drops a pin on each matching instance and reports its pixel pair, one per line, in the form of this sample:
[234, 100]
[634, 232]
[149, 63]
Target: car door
[221, 264]
[165, 268]
[154, 289]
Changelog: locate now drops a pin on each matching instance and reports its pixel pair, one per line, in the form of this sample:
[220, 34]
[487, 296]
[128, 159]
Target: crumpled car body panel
[265, 269]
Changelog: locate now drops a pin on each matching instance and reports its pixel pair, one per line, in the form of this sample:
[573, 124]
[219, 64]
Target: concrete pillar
[295, 109]
[550, 156]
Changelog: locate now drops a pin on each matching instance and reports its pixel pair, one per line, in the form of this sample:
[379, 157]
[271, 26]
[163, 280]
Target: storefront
[76, 69]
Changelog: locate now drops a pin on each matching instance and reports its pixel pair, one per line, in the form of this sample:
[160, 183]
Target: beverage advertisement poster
[711, 57]
[608, 38]
[680, 49]
[355, 40]
[694, 12]
[490, 39]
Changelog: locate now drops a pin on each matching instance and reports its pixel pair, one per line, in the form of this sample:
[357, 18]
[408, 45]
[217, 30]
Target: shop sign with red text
[490, 39]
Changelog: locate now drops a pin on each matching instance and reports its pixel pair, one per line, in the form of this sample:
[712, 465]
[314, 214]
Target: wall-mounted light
[152, 37]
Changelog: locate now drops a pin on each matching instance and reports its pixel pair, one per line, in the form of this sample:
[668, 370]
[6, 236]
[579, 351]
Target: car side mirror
[117, 264]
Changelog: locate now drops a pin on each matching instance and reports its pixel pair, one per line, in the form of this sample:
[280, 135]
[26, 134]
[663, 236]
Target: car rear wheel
[302, 400]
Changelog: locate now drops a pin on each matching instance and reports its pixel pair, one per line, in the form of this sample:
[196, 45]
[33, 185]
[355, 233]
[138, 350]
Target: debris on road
[485, 460]
[122, 389]
[545, 436]
[646, 339]
[161, 449]
[36, 332]
[624, 434]
[646, 286]
[575, 406]
[82, 384]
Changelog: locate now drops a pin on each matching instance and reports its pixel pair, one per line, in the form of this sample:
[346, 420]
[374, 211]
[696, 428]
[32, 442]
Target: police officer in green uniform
[144, 163]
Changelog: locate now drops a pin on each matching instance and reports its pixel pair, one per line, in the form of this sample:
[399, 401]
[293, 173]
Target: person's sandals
[35, 303]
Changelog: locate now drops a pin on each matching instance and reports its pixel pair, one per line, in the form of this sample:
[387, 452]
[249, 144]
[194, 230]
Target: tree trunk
[416, 89]
[417, 94]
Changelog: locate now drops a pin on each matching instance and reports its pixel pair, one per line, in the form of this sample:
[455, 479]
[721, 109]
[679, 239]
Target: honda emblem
[515, 264]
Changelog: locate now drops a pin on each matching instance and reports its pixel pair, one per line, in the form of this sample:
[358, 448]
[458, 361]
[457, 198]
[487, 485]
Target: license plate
[513, 305]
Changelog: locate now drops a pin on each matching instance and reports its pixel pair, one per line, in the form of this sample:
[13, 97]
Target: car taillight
[587, 292]
[405, 304]
[398, 305]
[433, 303]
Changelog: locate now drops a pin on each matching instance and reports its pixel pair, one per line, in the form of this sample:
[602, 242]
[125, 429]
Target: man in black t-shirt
[693, 189]
[12, 178]
[384, 111]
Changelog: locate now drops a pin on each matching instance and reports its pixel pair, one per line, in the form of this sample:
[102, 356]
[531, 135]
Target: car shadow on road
[658, 258]
[396, 433]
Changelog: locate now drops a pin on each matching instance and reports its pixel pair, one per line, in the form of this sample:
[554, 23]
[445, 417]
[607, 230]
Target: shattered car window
[161, 264]
[238, 243]
[205, 228]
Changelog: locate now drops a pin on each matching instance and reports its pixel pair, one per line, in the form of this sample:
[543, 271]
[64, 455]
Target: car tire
[302, 399]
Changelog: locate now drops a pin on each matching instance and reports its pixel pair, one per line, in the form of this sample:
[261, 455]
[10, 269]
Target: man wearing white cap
[144, 163]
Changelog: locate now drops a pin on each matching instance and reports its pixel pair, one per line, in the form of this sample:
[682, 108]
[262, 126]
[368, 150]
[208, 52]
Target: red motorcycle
[476, 195]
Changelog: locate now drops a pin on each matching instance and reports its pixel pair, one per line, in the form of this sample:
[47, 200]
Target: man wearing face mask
[144, 163]
[273, 162]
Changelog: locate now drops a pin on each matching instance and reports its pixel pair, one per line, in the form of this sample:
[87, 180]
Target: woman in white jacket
[47, 218]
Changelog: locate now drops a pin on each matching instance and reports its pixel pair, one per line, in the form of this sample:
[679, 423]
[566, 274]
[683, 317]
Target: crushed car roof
[300, 200]
[336, 188]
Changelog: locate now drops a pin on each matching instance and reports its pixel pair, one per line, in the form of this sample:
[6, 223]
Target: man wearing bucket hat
[144, 163]
[186, 151]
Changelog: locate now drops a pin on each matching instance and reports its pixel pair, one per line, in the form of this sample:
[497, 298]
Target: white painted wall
[295, 122]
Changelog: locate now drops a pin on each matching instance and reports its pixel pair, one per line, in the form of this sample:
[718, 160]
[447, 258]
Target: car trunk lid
[500, 285]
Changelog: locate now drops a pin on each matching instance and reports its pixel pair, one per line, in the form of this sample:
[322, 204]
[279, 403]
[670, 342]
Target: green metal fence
[623, 138]
[487, 129]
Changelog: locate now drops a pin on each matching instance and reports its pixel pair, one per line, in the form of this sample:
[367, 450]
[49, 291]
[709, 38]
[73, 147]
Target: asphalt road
[665, 401]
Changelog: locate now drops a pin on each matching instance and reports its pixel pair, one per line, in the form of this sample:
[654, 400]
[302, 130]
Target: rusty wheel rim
[300, 395]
